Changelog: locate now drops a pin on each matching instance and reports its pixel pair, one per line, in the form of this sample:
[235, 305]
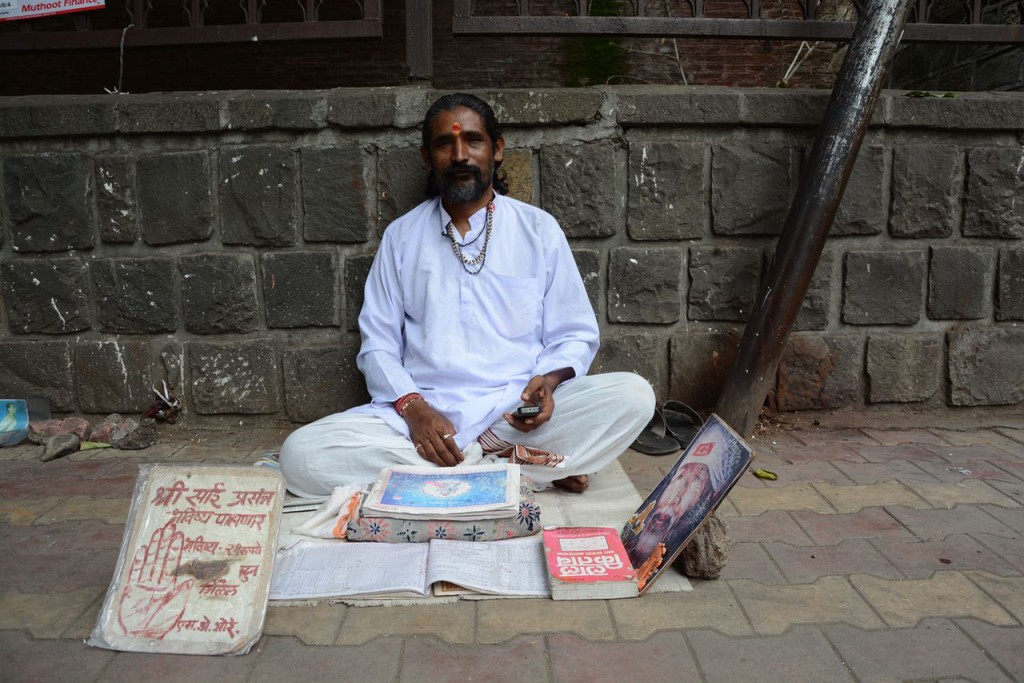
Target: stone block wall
[220, 241]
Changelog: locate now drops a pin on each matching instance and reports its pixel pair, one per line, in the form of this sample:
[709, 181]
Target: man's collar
[476, 221]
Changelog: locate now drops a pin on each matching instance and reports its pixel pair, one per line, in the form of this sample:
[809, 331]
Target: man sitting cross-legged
[473, 307]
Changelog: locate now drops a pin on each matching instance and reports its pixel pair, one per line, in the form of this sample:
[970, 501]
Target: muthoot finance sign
[30, 9]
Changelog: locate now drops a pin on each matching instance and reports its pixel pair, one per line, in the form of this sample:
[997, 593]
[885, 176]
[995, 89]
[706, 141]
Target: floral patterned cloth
[390, 530]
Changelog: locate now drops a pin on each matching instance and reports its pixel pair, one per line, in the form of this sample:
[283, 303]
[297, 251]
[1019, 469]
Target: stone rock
[257, 196]
[361, 107]
[903, 368]
[38, 368]
[322, 381]
[241, 377]
[862, 210]
[580, 186]
[994, 188]
[135, 295]
[708, 551]
[1011, 285]
[132, 436]
[76, 425]
[785, 107]
[960, 283]
[124, 428]
[655, 106]
[218, 293]
[172, 359]
[300, 289]
[48, 296]
[401, 184]
[184, 215]
[282, 110]
[335, 195]
[820, 372]
[532, 107]
[60, 445]
[645, 354]
[723, 282]
[700, 363]
[666, 190]
[518, 168]
[104, 431]
[357, 269]
[41, 431]
[816, 308]
[169, 113]
[926, 182]
[986, 367]
[49, 202]
[588, 261]
[645, 284]
[36, 117]
[884, 287]
[750, 189]
[113, 376]
[115, 199]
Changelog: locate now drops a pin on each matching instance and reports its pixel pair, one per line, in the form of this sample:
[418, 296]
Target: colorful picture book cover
[428, 490]
[664, 523]
[13, 421]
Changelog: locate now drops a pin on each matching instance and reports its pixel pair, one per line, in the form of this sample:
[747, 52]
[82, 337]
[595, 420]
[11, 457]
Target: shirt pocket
[511, 305]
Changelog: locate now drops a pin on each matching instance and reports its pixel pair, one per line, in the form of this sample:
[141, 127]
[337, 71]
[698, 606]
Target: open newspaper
[388, 570]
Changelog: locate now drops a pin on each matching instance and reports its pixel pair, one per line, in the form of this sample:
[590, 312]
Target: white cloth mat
[609, 502]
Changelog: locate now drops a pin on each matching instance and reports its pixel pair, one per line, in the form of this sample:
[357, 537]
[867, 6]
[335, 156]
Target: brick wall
[220, 241]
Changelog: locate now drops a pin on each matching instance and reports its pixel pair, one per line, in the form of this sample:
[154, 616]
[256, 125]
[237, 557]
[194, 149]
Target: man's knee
[639, 394]
[292, 449]
[630, 393]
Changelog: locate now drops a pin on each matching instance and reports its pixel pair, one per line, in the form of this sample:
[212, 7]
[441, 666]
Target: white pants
[596, 418]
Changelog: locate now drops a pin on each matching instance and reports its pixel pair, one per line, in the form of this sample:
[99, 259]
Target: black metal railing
[983, 21]
[188, 22]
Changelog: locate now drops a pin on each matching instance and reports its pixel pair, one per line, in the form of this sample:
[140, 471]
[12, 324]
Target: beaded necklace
[477, 262]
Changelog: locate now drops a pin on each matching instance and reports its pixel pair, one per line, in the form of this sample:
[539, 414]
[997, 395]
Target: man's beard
[461, 190]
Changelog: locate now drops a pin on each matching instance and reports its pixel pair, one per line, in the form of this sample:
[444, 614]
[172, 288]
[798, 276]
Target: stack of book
[410, 570]
[588, 563]
[485, 492]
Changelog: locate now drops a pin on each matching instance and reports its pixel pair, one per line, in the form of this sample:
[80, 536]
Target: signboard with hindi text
[194, 571]
[33, 9]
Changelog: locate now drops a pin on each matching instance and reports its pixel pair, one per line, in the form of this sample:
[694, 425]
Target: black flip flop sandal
[681, 421]
[653, 440]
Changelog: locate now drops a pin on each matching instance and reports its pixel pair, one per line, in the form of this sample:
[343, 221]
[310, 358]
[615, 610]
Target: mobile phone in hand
[523, 412]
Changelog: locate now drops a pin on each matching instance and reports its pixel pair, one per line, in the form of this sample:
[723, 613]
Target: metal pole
[810, 215]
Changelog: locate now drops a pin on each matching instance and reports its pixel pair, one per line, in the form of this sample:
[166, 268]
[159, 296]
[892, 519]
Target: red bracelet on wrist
[403, 401]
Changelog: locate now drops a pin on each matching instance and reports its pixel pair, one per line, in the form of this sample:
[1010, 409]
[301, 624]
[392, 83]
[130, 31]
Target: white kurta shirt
[469, 343]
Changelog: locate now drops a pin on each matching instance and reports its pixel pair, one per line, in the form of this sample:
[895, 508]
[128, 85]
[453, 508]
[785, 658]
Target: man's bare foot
[577, 483]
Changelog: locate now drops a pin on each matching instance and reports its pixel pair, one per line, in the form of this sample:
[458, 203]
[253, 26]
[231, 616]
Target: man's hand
[433, 434]
[540, 391]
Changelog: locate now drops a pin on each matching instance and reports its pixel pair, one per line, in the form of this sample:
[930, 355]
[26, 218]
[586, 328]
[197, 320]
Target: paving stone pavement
[880, 554]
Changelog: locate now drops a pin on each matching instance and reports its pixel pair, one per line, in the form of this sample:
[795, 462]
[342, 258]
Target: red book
[588, 563]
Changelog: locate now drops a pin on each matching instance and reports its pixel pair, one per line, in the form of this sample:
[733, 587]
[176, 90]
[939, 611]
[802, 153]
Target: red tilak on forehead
[456, 127]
